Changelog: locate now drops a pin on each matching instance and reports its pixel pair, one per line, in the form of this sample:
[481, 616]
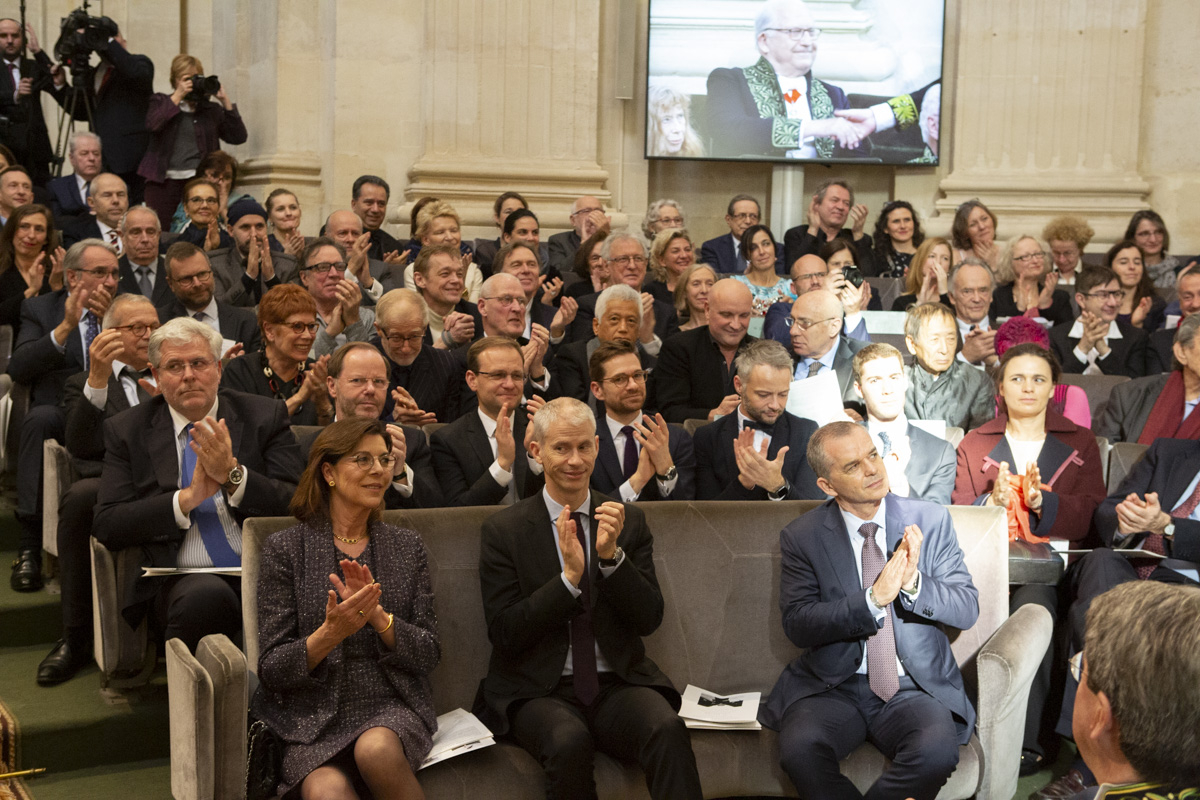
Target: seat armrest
[190, 698]
[226, 667]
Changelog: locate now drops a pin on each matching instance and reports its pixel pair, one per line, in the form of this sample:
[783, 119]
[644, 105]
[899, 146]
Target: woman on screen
[671, 132]
[898, 234]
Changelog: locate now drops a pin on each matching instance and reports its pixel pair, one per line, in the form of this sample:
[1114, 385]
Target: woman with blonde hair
[670, 131]
[928, 273]
[439, 223]
[671, 252]
[185, 126]
[691, 295]
[1027, 285]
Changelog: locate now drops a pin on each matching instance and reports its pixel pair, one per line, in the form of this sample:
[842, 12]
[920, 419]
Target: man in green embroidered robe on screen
[775, 108]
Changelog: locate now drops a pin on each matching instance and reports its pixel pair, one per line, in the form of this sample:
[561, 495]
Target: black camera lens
[853, 275]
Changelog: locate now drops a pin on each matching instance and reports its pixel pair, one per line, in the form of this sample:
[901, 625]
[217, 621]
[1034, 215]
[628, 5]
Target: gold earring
[331, 483]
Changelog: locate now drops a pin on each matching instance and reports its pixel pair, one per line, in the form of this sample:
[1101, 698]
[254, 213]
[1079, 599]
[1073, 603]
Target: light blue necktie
[212, 532]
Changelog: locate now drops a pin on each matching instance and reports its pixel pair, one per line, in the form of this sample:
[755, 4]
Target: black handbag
[263, 761]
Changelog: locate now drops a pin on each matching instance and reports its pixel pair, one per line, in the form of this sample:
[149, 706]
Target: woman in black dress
[1141, 306]
[287, 317]
[30, 261]
[1027, 285]
[346, 629]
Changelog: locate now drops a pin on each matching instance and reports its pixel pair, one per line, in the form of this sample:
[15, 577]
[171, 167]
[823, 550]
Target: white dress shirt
[625, 491]
[1092, 356]
[128, 380]
[899, 451]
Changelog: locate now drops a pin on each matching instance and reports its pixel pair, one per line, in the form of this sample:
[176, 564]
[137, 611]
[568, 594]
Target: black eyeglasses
[300, 327]
[137, 329]
[323, 267]
[620, 380]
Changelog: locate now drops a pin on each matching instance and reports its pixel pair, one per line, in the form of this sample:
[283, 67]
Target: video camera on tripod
[81, 35]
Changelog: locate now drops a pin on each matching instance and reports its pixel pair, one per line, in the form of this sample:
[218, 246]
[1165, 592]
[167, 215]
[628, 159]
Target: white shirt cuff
[375, 290]
[653, 346]
[543, 384]
[181, 519]
[499, 474]
[534, 466]
[876, 612]
[574, 590]
[62, 348]
[606, 571]
[1079, 354]
[405, 489]
[97, 397]
[851, 321]
[885, 118]
[556, 340]
[626, 493]
[666, 487]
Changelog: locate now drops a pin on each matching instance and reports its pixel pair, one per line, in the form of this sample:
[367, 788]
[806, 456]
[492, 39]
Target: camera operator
[185, 126]
[118, 91]
[22, 80]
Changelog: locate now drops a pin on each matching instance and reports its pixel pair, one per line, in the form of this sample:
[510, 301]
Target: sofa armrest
[1005, 666]
[190, 698]
[226, 667]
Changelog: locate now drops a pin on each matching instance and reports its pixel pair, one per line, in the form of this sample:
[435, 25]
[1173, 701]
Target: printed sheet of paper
[155, 572]
[458, 731]
[713, 711]
[818, 398]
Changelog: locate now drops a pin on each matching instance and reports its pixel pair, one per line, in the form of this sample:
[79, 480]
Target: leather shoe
[64, 661]
[1064, 788]
[27, 571]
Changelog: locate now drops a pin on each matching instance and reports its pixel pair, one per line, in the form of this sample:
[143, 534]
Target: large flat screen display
[787, 80]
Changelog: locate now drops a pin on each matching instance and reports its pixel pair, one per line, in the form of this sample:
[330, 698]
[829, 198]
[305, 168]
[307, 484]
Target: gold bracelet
[391, 619]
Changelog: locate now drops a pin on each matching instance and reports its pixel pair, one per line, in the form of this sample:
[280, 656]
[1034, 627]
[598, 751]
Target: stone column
[509, 102]
[1047, 112]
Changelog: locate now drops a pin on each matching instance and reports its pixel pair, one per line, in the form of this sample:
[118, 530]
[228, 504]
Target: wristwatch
[1169, 531]
[236, 476]
[781, 493]
[670, 474]
[612, 562]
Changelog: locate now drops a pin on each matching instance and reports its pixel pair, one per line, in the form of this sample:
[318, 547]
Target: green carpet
[94, 744]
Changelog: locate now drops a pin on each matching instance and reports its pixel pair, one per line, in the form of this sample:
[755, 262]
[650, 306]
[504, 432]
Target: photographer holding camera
[117, 90]
[185, 126]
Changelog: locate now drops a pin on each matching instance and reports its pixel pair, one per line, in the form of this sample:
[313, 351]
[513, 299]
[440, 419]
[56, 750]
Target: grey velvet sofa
[718, 566]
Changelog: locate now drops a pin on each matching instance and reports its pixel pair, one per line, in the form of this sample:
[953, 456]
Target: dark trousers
[164, 198]
[190, 607]
[913, 729]
[1090, 577]
[75, 558]
[40, 423]
[631, 723]
[1040, 689]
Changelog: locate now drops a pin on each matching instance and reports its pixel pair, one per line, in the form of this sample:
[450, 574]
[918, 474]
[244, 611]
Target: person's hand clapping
[1001, 489]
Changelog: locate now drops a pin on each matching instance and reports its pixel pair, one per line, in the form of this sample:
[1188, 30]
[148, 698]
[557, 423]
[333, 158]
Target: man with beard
[639, 456]
[190, 278]
[758, 451]
[246, 271]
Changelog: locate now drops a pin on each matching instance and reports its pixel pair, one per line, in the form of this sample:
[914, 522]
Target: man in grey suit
[818, 344]
[1130, 405]
[869, 612]
[247, 271]
[918, 464]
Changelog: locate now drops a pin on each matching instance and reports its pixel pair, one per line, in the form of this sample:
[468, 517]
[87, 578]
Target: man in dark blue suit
[56, 330]
[757, 451]
[646, 460]
[119, 88]
[68, 194]
[868, 611]
[724, 253]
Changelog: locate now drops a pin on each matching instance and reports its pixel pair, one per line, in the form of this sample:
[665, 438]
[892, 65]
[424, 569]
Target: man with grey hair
[818, 344]
[626, 257]
[108, 200]
[117, 378]
[941, 386]
[141, 264]
[618, 319]
[776, 108]
[1136, 719]
[68, 194]
[587, 217]
[57, 329]
[182, 471]
[757, 452]
[868, 583]
[971, 283]
[568, 674]
[1169, 398]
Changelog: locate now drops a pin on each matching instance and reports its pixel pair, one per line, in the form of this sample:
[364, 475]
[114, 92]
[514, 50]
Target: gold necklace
[355, 540]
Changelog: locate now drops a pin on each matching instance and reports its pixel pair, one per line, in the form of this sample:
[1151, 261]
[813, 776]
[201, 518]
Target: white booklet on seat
[458, 731]
[152, 572]
[707, 710]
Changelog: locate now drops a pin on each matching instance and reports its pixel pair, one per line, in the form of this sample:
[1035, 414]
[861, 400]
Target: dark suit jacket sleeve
[734, 124]
[124, 515]
[684, 455]
[269, 494]
[808, 620]
[426, 492]
[1139, 357]
[83, 433]
[798, 242]
[1151, 474]
[672, 383]
[456, 490]
[709, 255]
[34, 354]
[560, 258]
[775, 324]
[631, 592]
[566, 379]
[515, 623]
[137, 69]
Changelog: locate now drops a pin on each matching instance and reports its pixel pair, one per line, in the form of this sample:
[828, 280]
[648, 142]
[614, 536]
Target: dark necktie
[881, 648]
[814, 368]
[768, 429]
[1156, 542]
[205, 516]
[91, 332]
[583, 641]
[139, 375]
[631, 453]
[144, 281]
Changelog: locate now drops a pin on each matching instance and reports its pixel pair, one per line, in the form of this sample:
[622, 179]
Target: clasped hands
[214, 461]
[900, 572]
[359, 604]
[848, 126]
[1135, 515]
[1031, 487]
[610, 521]
[754, 468]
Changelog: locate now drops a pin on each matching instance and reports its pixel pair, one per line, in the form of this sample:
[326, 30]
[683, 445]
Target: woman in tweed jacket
[344, 660]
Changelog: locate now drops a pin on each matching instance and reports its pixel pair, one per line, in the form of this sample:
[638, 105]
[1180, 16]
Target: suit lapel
[117, 401]
[918, 470]
[161, 444]
[227, 412]
[1180, 474]
[478, 439]
[541, 548]
[836, 541]
[894, 522]
[1055, 457]
[1001, 452]
[610, 463]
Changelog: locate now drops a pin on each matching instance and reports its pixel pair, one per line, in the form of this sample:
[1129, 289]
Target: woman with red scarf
[1046, 471]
